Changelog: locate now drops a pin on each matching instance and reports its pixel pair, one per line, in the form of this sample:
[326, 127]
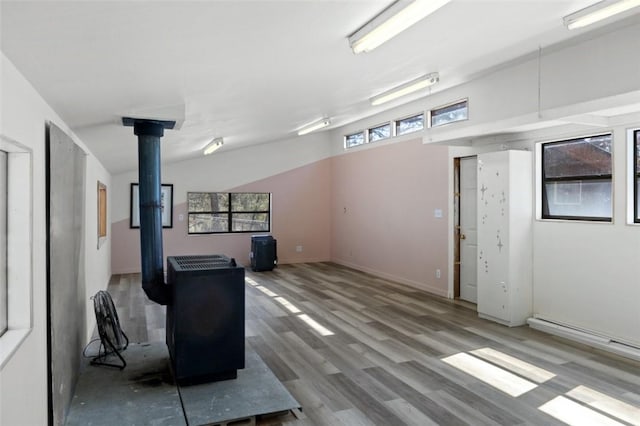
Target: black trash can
[264, 253]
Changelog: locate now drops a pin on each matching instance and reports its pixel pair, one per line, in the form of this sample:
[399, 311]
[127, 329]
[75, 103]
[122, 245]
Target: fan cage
[113, 339]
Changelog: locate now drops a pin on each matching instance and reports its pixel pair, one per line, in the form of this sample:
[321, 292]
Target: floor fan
[112, 339]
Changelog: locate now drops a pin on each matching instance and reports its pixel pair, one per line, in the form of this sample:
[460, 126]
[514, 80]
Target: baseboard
[285, 261]
[134, 270]
[415, 284]
[586, 338]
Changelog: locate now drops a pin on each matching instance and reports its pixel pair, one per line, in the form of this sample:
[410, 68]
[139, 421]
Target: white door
[468, 229]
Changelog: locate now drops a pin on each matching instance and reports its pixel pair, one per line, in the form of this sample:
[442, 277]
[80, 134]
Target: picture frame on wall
[166, 198]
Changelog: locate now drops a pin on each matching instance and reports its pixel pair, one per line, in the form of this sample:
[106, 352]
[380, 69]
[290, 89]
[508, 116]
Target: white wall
[23, 379]
[586, 275]
[97, 260]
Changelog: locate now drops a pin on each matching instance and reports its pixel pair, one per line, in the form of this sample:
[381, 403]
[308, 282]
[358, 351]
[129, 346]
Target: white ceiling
[249, 71]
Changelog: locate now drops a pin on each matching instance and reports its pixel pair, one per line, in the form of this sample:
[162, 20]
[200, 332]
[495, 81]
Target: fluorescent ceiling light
[392, 21]
[405, 89]
[314, 126]
[597, 12]
[213, 145]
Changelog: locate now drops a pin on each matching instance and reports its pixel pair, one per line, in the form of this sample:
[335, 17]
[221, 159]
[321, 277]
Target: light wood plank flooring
[355, 349]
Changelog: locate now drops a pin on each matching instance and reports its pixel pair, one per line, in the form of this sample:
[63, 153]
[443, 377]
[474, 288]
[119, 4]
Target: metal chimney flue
[149, 133]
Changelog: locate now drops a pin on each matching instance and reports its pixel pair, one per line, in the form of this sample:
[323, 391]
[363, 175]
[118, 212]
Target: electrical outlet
[298, 249]
[438, 274]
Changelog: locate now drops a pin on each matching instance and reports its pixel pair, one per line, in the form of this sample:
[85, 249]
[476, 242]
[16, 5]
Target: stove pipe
[149, 133]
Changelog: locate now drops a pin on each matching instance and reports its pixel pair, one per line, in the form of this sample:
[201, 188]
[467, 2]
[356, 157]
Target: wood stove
[205, 318]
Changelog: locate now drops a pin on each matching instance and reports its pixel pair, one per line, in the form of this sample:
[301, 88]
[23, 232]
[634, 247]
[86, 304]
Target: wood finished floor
[383, 363]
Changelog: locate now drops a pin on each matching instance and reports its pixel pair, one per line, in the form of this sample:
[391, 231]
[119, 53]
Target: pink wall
[382, 211]
[371, 209]
[300, 209]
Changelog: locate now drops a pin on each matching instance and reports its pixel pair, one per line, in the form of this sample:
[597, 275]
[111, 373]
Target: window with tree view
[380, 132]
[354, 139]
[457, 111]
[410, 124]
[227, 212]
[576, 179]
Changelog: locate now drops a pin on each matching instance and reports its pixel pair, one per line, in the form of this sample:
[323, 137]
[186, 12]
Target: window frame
[368, 134]
[229, 213]
[19, 247]
[364, 138]
[544, 180]
[636, 175]
[432, 110]
[397, 122]
[4, 247]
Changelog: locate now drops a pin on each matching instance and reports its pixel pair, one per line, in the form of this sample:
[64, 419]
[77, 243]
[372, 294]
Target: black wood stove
[205, 318]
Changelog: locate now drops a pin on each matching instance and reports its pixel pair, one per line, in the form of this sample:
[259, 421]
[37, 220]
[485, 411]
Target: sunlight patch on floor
[514, 365]
[500, 379]
[290, 307]
[606, 403]
[317, 327]
[251, 281]
[575, 414]
[323, 331]
[266, 291]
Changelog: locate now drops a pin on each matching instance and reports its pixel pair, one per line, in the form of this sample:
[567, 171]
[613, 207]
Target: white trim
[415, 284]
[586, 337]
[630, 176]
[19, 247]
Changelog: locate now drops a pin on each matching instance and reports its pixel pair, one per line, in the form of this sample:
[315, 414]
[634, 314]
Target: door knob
[463, 237]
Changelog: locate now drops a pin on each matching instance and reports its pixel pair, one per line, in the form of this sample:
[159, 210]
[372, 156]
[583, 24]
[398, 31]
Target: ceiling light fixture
[399, 16]
[213, 146]
[316, 125]
[410, 87]
[597, 12]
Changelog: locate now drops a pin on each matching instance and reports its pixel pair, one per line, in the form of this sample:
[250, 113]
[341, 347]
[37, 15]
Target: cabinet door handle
[463, 237]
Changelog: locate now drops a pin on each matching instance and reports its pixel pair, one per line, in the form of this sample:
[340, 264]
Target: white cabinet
[505, 215]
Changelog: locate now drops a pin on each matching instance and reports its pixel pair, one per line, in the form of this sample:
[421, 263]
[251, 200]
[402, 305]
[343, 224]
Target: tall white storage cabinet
[505, 215]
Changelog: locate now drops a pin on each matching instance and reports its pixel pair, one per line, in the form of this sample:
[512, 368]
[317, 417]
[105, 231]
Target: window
[354, 139]
[410, 124]
[380, 132]
[226, 212]
[576, 179]
[457, 111]
[16, 199]
[636, 174]
[4, 300]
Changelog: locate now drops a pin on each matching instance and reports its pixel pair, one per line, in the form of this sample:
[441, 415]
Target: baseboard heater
[585, 337]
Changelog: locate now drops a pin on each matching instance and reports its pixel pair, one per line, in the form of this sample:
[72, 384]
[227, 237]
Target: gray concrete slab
[144, 393]
[141, 394]
[255, 392]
